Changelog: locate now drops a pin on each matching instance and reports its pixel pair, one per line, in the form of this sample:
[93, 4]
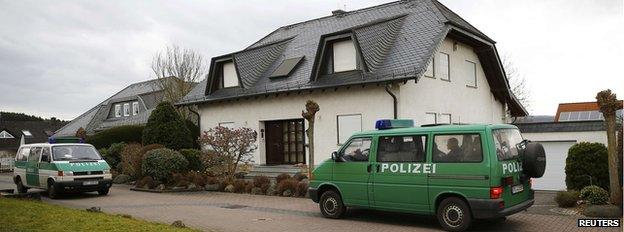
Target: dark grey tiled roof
[397, 41]
[561, 126]
[147, 93]
[535, 119]
[38, 129]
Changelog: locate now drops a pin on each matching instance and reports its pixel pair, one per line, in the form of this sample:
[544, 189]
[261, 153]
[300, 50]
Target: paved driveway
[242, 212]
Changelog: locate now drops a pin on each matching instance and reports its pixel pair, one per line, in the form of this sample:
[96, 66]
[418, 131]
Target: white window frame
[230, 125]
[229, 77]
[344, 130]
[27, 133]
[126, 109]
[344, 56]
[471, 74]
[135, 108]
[6, 135]
[441, 67]
[117, 110]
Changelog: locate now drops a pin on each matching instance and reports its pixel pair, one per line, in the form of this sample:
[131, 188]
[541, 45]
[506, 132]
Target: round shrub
[194, 158]
[585, 160]
[262, 182]
[165, 126]
[289, 184]
[131, 159]
[566, 199]
[595, 195]
[105, 138]
[161, 163]
[281, 177]
[113, 154]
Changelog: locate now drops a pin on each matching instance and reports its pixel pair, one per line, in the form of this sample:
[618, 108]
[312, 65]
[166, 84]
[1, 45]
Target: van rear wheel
[454, 215]
[331, 205]
[20, 186]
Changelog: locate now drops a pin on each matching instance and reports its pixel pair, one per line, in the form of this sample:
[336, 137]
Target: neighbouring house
[406, 59]
[15, 133]
[573, 123]
[130, 106]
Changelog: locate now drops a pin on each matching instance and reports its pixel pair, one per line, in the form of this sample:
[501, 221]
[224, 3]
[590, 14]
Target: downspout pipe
[394, 100]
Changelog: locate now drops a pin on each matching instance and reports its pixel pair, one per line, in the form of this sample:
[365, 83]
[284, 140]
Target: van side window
[45, 153]
[35, 153]
[357, 150]
[23, 154]
[457, 148]
[402, 148]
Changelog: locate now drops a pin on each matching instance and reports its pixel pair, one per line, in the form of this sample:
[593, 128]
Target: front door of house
[284, 142]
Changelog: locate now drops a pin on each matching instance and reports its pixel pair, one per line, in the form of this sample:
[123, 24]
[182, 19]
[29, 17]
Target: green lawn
[28, 215]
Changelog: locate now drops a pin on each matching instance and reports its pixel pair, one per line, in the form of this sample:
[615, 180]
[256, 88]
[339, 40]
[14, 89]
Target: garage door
[554, 176]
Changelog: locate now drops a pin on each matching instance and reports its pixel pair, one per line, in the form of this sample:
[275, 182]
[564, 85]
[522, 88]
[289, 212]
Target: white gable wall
[465, 104]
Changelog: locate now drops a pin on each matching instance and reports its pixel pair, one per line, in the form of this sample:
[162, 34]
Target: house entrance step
[272, 171]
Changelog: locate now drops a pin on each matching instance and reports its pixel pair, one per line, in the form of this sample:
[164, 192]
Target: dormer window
[344, 56]
[229, 75]
[6, 135]
[117, 110]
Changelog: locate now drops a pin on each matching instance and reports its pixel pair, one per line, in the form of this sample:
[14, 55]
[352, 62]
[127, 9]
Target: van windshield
[508, 142]
[74, 152]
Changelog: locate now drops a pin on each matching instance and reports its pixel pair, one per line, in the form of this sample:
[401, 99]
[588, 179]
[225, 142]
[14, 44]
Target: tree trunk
[614, 179]
[310, 133]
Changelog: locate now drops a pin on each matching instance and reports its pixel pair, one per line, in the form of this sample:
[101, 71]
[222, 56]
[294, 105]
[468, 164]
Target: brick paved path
[242, 212]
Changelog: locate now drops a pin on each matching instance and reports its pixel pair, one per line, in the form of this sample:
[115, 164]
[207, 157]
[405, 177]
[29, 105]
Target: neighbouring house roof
[147, 93]
[575, 107]
[39, 132]
[395, 41]
[544, 127]
[535, 119]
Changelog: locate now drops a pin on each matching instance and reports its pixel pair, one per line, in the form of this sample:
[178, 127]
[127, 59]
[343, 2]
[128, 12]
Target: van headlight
[65, 173]
[107, 171]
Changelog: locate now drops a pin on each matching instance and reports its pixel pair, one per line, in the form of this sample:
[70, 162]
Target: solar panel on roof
[286, 67]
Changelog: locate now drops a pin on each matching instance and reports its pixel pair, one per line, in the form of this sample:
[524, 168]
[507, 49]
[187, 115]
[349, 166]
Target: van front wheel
[53, 193]
[331, 205]
[454, 215]
[103, 192]
[20, 186]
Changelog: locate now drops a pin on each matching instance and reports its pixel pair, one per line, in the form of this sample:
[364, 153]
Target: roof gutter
[394, 100]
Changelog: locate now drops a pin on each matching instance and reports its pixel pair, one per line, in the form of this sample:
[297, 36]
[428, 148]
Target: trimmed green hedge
[162, 163]
[127, 134]
[193, 156]
[584, 160]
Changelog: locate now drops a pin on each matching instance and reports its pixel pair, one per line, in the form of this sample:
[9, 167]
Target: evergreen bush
[585, 160]
[165, 126]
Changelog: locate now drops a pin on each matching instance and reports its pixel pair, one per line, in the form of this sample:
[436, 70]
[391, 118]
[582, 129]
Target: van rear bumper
[77, 186]
[489, 208]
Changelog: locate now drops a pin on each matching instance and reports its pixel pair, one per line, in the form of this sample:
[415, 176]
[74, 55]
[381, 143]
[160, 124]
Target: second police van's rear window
[507, 143]
[457, 148]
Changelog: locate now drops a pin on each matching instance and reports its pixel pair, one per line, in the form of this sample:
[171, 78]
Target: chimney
[338, 12]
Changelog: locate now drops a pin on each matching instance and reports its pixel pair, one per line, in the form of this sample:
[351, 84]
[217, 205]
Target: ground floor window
[347, 125]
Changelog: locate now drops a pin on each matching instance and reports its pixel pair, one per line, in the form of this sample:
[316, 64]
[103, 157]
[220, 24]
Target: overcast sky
[60, 58]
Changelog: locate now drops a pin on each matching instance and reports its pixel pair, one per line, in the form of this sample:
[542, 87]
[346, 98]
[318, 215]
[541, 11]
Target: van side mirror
[334, 156]
[45, 158]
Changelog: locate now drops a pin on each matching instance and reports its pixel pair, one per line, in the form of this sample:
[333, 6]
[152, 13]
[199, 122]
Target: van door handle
[368, 168]
[378, 167]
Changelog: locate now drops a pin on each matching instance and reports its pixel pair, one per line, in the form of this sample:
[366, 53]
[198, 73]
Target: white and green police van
[456, 172]
[61, 168]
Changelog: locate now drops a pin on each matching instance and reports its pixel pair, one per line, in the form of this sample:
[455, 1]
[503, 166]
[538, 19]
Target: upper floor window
[444, 119]
[344, 56]
[229, 75]
[471, 74]
[347, 125]
[117, 111]
[135, 108]
[431, 118]
[6, 135]
[443, 69]
[126, 109]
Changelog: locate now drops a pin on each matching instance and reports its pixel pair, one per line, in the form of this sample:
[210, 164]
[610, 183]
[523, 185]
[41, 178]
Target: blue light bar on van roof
[384, 124]
[53, 140]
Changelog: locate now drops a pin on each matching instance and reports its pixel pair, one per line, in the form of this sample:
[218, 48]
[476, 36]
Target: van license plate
[90, 183]
[517, 188]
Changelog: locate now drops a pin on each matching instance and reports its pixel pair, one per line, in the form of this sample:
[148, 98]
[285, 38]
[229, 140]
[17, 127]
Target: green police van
[456, 172]
[61, 168]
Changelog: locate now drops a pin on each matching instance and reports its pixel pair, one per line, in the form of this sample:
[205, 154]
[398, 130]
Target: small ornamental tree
[234, 145]
[165, 126]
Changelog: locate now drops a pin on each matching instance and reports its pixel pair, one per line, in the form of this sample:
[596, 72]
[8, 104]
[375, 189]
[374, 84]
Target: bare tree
[178, 71]
[608, 103]
[309, 114]
[517, 82]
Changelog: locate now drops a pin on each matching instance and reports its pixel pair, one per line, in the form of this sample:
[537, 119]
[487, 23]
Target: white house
[573, 123]
[406, 59]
